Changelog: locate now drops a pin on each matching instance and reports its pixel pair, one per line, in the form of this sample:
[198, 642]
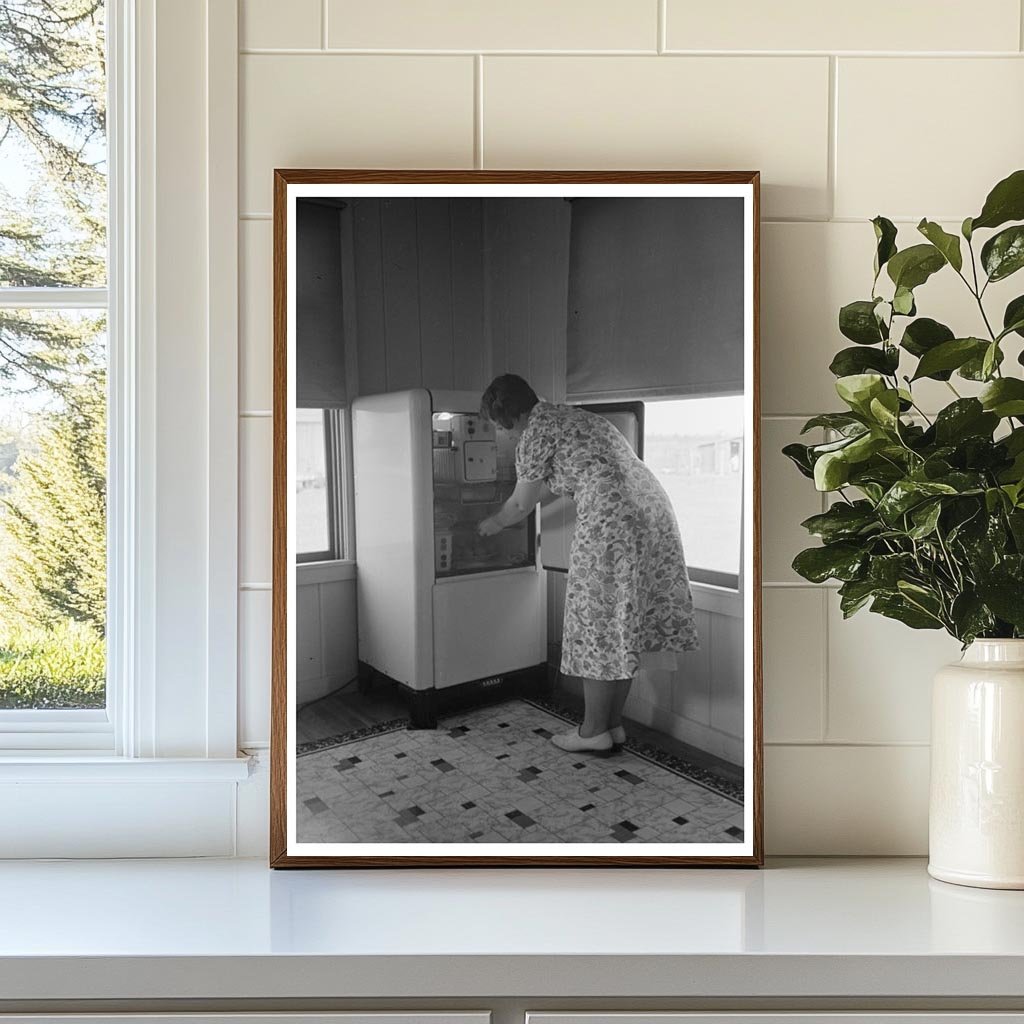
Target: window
[53, 359]
[319, 497]
[695, 448]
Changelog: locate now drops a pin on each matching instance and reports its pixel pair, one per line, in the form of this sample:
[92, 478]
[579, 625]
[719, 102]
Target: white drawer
[360, 1017]
[790, 1017]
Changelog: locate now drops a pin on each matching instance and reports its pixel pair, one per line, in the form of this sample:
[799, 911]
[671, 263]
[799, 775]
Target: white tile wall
[920, 122]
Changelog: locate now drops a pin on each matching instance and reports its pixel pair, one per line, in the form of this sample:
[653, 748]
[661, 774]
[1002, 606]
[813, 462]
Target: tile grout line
[832, 146]
[478, 111]
[342, 51]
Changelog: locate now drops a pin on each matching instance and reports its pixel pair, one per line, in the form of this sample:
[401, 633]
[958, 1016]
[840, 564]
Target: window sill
[75, 766]
[717, 600]
[309, 573]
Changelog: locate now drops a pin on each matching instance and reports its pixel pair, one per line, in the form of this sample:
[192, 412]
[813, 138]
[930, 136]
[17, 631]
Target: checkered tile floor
[491, 775]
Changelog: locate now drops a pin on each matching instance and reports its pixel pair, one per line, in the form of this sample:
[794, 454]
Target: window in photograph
[695, 448]
[53, 356]
[318, 498]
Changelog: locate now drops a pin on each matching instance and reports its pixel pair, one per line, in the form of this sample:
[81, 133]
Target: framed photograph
[516, 559]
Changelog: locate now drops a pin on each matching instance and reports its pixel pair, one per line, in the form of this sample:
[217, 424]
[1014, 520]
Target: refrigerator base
[425, 706]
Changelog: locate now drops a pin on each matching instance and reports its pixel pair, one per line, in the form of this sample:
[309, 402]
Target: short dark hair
[506, 399]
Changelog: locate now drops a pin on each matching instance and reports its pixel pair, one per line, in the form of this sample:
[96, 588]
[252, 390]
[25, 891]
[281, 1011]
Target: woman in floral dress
[628, 592]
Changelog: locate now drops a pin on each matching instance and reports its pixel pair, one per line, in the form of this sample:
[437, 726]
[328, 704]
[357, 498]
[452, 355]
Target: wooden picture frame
[362, 797]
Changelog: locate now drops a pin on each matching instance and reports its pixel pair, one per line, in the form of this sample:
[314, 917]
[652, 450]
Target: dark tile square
[501, 757]
[503, 725]
[316, 805]
[629, 826]
[347, 764]
[389, 792]
[594, 789]
[544, 733]
[459, 730]
[680, 820]
[633, 780]
[403, 754]
[468, 805]
[580, 764]
[735, 831]
[475, 835]
[442, 765]
[588, 807]
[623, 835]
[522, 820]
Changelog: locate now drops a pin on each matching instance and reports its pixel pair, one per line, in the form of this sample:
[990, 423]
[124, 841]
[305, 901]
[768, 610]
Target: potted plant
[926, 524]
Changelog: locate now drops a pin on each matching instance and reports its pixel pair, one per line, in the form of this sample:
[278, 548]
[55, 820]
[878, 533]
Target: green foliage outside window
[52, 365]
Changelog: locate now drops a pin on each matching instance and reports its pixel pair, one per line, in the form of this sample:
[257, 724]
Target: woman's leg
[621, 692]
[602, 707]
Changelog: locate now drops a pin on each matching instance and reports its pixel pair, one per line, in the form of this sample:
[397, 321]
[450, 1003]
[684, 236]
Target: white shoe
[572, 741]
[618, 735]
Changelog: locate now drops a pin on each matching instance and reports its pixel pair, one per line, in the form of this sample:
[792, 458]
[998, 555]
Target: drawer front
[358, 1017]
[854, 1017]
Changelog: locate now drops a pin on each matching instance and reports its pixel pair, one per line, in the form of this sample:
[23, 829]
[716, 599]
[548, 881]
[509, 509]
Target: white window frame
[173, 469]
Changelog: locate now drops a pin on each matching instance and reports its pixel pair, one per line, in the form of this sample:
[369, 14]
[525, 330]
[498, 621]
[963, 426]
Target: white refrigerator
[443, 612]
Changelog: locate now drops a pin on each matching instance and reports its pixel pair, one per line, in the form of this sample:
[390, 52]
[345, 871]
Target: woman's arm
[520, 504]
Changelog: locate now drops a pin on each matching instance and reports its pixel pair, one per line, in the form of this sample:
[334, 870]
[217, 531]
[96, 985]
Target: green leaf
[831, 471]
[858, 389]
[840, 561]
[799, 455]
[970, 617]
[1005, 596]
[841, 421]
[965, 228]
[849, 361]
[885, 409]
[1005, 202]
[1003, 254]
[854, 594]
[949, 355]
[913, 266]
[923, 335]
[947, 244]
[925, 518]
[842, 521]
[885, 235]
[974, 368]
[903, 302]
[966, 417]
[1013, 317]
[1004, 397]
[991, 360]
[887, 570]
[904, 495]
[857, 321]
[899, 608]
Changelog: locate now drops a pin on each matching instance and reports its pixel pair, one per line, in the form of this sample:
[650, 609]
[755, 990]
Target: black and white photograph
[515, 510]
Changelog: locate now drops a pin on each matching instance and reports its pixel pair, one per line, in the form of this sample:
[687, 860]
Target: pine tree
[53, 543]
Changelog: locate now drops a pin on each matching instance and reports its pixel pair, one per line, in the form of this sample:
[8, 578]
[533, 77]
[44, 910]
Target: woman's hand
[489, 527]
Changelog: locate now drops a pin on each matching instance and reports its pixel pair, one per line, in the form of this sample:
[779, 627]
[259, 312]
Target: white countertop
[233, 928]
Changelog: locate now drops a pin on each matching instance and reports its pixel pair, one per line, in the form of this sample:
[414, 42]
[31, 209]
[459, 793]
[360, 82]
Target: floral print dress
[628, 592]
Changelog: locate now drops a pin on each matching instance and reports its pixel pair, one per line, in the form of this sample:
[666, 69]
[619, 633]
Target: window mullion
[53, 298]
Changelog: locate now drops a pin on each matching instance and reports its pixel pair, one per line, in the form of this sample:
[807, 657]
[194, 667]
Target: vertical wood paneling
[337, 615]
[727, 681]
[467, 291]
[369, 294]
[401, 294]
[693, 682]
[308, 659]
[434, 248]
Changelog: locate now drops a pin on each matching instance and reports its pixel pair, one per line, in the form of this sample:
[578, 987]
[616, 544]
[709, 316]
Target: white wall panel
[794, 635]
[872, 25]
[260, 24]
[253, 667]
[255, 308]
[689, 113]
[471, 25]
[950, 101]
[351, 111]
[255, 510]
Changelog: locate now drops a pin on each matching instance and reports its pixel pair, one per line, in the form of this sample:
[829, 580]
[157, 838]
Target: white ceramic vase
[976, 812]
